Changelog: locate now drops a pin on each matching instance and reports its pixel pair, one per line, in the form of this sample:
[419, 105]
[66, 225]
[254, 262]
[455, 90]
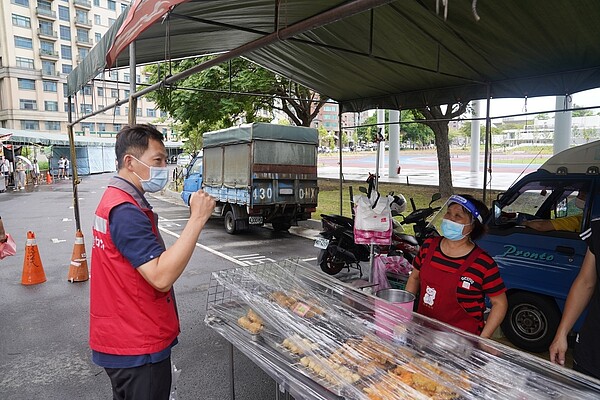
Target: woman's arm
[414, 282]
[499, 308]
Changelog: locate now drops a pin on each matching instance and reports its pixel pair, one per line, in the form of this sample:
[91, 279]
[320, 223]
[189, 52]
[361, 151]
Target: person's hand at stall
[580, 294]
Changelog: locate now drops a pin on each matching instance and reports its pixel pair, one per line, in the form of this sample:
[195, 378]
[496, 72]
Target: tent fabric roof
[398, 55]
[60, 139]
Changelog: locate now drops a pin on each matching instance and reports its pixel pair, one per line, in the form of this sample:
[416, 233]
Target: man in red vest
[133, 312]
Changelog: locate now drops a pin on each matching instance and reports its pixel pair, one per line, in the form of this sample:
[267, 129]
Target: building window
[82, 16]
[117, 110]
[44, 4]
[23, 42]
[27, 104]
[98, 37]
[30, 125]
[111, 21]
[97, 3]
[67, 68]
[101, 126]
[150, 112]
[50, 86]
[46, 28]
[67, 107]
[111, 4]
[114, 93]
[65, 52]
[48, 68]
[117, 127]
[126, 111]
[138, 79]
[114, 76]
[83, 53]
[47, 47]
[63, 13]
[21, 2]
[65, 32]
[85, 108]
[126, 92]
[52, 125]
[86, 90]
[123, 7]
[100, 91]
[19, 20]
[23, 62]
[27, 84]
[87, 125]
[126, 77]
[138, 112]
[51, 105]
[97, 19]
[164, 114]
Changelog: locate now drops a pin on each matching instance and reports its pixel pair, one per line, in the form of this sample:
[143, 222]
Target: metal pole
[73, 163]
[132, 78]
[372, 247]
[475, 133]
[340, 153]
[488, 135]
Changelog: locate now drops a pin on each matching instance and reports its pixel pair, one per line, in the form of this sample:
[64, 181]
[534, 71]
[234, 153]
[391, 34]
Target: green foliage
[581, 113]
[225, 94]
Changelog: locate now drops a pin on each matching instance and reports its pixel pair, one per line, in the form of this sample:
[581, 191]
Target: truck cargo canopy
[395, 55]
[583, 159]
[261, 131]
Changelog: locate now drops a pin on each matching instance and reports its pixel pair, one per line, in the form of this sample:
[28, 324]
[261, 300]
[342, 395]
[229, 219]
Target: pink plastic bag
[381, 238]
[9, 248]
[383, 264]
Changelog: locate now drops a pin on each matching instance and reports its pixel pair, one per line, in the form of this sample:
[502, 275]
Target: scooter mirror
[362, 189]
[435, 197]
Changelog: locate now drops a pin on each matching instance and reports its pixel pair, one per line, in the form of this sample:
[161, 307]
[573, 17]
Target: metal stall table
[319, 338]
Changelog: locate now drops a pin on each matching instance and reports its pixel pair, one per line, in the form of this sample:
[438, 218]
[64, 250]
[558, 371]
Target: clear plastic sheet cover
[323, 339]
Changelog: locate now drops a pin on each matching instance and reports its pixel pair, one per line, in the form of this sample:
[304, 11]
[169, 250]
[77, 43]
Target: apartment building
[41, 41]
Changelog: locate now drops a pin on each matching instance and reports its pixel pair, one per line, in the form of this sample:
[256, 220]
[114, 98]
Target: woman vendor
[452, 275]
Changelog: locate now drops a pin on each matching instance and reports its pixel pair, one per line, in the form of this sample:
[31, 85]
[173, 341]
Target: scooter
[338, 250]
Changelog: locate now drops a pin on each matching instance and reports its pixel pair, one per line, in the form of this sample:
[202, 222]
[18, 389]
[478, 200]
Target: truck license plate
[321, 243]
[255, 220]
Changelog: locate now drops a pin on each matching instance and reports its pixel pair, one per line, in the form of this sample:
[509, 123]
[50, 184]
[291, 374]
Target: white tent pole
[475, 136]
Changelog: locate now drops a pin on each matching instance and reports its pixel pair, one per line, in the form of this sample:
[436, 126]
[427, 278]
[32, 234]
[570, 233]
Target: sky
[501, 107]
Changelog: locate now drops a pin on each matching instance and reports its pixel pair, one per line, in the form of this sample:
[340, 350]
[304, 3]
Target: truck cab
[538, 267]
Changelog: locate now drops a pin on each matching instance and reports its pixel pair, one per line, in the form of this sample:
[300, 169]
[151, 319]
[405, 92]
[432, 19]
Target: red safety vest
[127, 315]
[438, 292]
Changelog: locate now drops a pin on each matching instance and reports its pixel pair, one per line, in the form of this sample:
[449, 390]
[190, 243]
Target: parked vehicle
[537, 267]
[259, 173]
[338, 250]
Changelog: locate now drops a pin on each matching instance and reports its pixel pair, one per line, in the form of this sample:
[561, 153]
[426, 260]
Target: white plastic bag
[372, 213]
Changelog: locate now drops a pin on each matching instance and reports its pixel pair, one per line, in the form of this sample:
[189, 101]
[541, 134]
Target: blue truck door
[193, 180]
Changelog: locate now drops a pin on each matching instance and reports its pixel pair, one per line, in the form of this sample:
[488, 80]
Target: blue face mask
[159, 177]
[452, 230]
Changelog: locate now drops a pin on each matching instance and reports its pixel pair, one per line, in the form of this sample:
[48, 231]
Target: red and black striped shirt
[480, 279]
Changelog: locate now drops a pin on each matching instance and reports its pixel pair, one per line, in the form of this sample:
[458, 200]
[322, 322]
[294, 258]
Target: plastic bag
[174, 376]
[373, 212]
[383, 264]
[9, 248]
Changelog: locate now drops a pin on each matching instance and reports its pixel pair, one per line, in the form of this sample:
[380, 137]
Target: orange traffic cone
[33, 270]
[48, 178]
[78, 270]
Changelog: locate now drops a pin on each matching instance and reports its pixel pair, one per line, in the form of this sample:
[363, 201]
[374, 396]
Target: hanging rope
[446, 3]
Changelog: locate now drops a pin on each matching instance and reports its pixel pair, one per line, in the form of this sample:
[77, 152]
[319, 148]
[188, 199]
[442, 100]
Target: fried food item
[299, 345]
[283, 300]
[333, 373]
[252, 322]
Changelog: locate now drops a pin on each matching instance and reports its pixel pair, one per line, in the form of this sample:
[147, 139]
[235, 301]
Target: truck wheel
[230, 224]
[531, 321]
[329, 264]
[280, 225]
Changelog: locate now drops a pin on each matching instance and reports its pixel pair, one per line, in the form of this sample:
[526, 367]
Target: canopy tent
[396, 54]
[94, 154]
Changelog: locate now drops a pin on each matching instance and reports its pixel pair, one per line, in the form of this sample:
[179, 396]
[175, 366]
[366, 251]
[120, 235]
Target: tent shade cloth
[402, 54]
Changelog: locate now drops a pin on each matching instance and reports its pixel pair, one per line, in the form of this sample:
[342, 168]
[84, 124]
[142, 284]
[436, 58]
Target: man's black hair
[134, 140]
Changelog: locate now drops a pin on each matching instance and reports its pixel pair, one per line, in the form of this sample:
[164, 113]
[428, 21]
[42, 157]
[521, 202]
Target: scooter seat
[406, 238]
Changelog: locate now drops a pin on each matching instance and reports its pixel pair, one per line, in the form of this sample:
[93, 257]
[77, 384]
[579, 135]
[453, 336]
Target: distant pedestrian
[5, 171]
[61, 167]
[20, 176]
[35, 172]
[67, 166]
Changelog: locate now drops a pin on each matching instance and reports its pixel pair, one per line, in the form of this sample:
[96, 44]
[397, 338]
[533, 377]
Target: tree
[581, 113]
[437, 119]
[223, 95]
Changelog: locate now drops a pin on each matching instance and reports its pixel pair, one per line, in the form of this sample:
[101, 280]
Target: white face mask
[159, 177]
